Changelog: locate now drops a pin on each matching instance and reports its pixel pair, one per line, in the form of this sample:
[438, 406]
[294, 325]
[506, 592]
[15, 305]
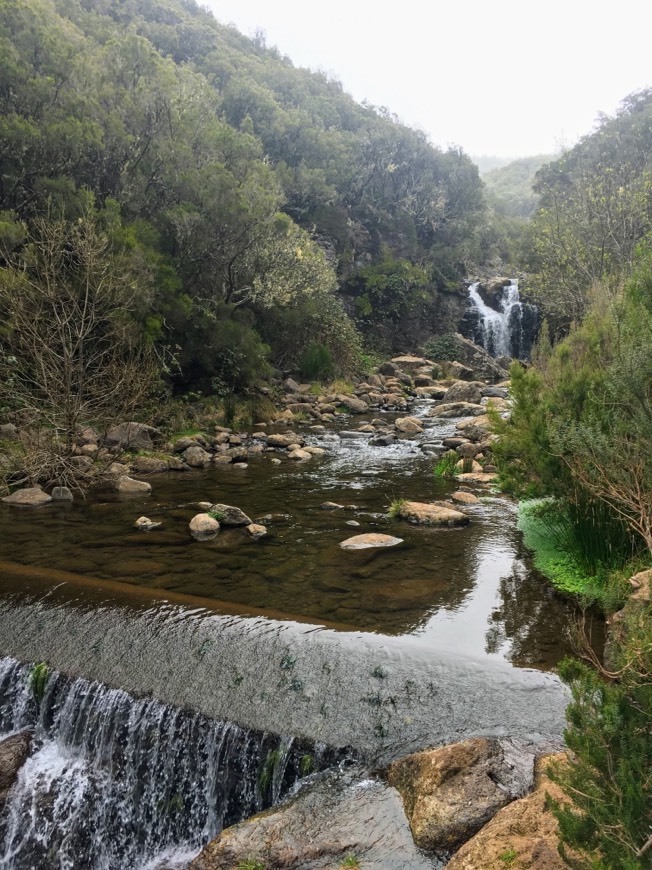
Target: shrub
[445, 467]
[316, 362]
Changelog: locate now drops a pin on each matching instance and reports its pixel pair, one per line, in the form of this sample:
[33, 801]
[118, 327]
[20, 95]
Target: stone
[29, 496]
[240, 466]
[409, 425]
[352, 523]
[230, 515]
[283, 440]
[388, 369]
[410, 363]
[291, 386]
[196, 456]
[367, 541]
[129, 486]
[467, 465]
[14, 751]
[132, 436]
[299, 454]
[275, 461]
[332, 506]
[353, 405]
[526, 828]
[255, 530]
[81, 463]
[62, 493]
[430, 514]
[475, 359]
[465, 391]
[315, 451]
[8, 432]
[494, 392]
[203, 527]
[448, 410]
[88, 449]
[176, 464]
[434, 392]
[144, 524]
[460, 372]
[454, 441]
[222, 459]
[383, 440]
[467, 450]
[149, 465]
[463, 497]
[117, 469]
[450, 793]
[472, 477]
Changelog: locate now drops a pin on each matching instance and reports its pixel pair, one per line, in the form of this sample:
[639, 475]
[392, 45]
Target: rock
[467, 450]
[81, 463]
[203, 527]
[291, 386]
[132, 436]
[315, 451]
[494, 392]
[635, 611]
[355, 433]
[456, 409]
[409, 425]
[30, 496]
[144, 524]
[88, 449]
[500, 405]
[241, 466]
[373, 539]
[423, 381]
[176, 464]
[117, 469]
[465, 391]
[454, 442]
[450, 793]
[230, 516]
[275, 461]
[255, 530]
[410, 363]
[383, 440]
[238, 454]
[434, 392]
[352, 523]
[299, 454]
[388, 369]
[127, 486]
[525, 828]
[222, 459]
[150, 465]
[284, 440]
[430, 514]
[394, 400]
[14, 752]
[467, 465]
[8, 432]
[62, 493]
[482, 366]
[472, 477]
[316, 829]
[196, 456]
[465, 497]
[460, 372]
[332, 506]
[353, 405]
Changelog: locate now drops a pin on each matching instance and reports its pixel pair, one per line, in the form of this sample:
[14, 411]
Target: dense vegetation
[244, 192]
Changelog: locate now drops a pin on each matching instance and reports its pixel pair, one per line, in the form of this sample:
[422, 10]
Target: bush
[316, 362]
[441, 348]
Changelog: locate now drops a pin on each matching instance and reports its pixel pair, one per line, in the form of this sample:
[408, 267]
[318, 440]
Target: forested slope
[248, 197]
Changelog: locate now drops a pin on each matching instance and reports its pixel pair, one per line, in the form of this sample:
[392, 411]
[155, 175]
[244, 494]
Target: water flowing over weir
[508, 330]
[116, 782]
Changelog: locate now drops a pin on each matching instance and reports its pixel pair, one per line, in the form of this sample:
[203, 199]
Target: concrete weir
[380, 695]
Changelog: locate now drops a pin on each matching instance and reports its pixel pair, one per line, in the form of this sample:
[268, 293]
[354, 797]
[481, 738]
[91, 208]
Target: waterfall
[508, 332]
[115, 782]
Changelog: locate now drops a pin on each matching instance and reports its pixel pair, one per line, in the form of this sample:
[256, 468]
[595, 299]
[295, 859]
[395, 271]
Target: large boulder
[409, 425]
[229, 515]
[29, 496]
[196, 456]
[482, 366]
[203, 527]
[283, 440]
[525, 830]
[132, 436]
[429, 514]
[14, 751]
[149, 465]
[465, 391]
[450, 793]
[129, 486]
[352, 404]
[410, 363]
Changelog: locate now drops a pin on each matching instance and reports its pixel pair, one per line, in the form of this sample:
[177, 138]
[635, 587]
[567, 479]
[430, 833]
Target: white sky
[499, 77]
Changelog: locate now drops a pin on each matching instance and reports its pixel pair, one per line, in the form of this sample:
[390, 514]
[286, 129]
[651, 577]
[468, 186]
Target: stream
[182, 667]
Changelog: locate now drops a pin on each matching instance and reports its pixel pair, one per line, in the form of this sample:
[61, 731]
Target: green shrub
[316, 362]
[38, 679]
[445, 467]
[441, 348]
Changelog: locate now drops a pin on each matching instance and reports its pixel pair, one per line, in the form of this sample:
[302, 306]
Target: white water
[115, 782]
[509, 331]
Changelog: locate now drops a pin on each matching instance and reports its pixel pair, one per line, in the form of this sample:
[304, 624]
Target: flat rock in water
[128, 485]
[373, 539]
[465, 497]
[430, 514]
[471, 477]
[30, 496]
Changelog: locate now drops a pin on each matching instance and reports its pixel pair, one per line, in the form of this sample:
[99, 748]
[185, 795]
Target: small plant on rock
[396, 507]
[38, 679]
[445, 467]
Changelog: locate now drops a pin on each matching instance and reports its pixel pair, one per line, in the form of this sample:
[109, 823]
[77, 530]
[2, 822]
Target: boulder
[196, 456]
[291, 386]
[494, 392]
[467, 465]
[132, 436]
[450, 793]
[409, 425]
[62, 493]
[29, 496]
[525, 829]
[230, 516]
[447, 410]
[176, 464]
[472, 477]
[388, 369]
[372, 539]
[462, 497]
[283, 440]
[144, 524]
[352, 404]
[482, 366]
[465, 391]
[255, 530]
[149, 465]
[467, 450]
[409, 363]
[14, 752]
[299, 454]
[117, 469]
[315, 451]
[383, 440]
[430, 514]
[129, 486]
[203, 527]
[459, 371]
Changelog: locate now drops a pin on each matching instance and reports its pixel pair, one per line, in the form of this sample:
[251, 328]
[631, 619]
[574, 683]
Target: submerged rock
[372, 539]
[430, 514]
[145, 524]
[30, 496]
[450, 793]
[128, 486]
[256, 530]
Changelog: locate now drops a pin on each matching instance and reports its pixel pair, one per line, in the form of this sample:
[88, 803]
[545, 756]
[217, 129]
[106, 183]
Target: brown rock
[353, 405]
[230, 516]
[449, 793]
[299, 454]
[203, 527]
[430, 514]
[149, 465]
[465, 391]
[456, 409]
[465, 497]
[411, 363]
[285, 440]
[472, 477]
[127, 485]
[256, 530]
[409, 425]
[132, 436]
[525, 829]
[196, 456]
[14, 751]
[373, 539]
[30, 496]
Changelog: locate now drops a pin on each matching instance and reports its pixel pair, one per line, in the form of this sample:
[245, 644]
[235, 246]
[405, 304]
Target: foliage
[608, 776]
[446, 465]
[350, 861]
[316, 363]
[443, 348]
[395, 508]
[509, 187]
[250, 864]
[38, 679]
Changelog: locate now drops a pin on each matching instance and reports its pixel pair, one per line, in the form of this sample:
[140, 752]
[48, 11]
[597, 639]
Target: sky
[497, 77]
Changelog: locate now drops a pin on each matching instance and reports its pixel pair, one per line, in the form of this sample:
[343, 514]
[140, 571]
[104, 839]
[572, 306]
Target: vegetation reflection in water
[466, 590]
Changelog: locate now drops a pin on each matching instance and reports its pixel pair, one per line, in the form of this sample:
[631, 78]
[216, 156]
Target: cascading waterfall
[116, 782]
[508, 332]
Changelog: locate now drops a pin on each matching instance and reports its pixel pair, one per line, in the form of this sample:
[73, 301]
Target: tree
[71, 352]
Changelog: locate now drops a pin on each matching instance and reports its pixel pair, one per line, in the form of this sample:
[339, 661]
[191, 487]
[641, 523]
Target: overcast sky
[498, 77]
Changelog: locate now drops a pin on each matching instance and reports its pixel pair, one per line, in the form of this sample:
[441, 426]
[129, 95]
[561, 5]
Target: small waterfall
[508, 332]
[116, 782]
